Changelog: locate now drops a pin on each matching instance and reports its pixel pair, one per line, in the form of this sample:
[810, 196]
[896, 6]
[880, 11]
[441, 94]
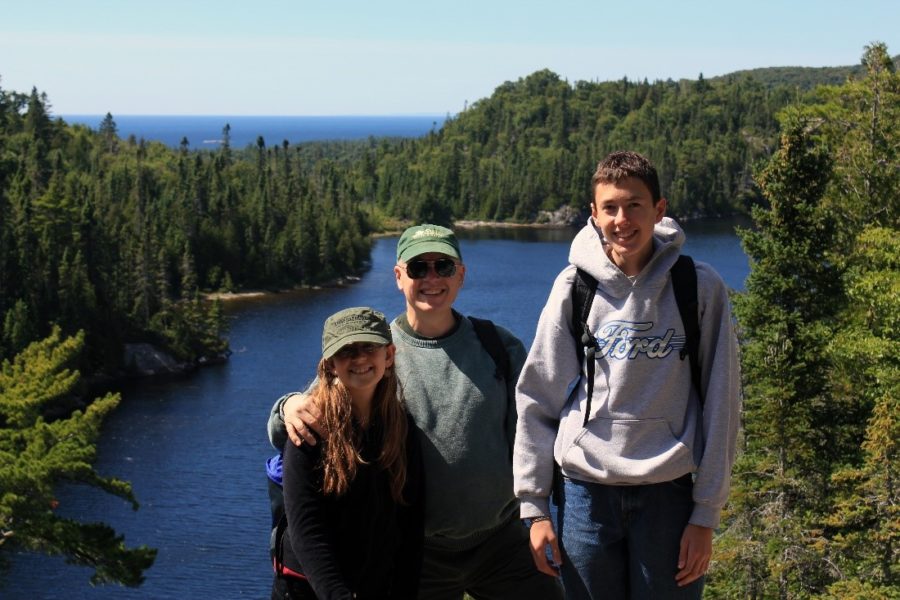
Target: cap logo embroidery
[427, 233]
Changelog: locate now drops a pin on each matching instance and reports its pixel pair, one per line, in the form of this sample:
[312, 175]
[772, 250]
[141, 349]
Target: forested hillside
[804, 78]
[534, 143]
[118, 237]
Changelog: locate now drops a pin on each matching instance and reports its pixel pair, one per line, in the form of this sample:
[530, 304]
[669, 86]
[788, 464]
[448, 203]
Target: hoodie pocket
[628, 451]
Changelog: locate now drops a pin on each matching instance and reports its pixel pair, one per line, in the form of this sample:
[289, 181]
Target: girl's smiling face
[361, 366]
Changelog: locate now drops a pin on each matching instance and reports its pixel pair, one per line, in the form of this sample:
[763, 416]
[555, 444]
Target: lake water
[205, 131]
[194, 449]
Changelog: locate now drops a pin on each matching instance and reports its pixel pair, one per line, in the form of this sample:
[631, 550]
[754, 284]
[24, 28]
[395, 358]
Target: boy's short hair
[622, 165]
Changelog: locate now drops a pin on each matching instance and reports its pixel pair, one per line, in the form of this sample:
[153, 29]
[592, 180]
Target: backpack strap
[490, 339]
[583, 290]
[278, 552]
[493, 344]
[684, 284]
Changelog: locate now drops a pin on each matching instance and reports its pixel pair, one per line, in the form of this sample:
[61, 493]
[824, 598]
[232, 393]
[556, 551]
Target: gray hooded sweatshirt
[645, 423]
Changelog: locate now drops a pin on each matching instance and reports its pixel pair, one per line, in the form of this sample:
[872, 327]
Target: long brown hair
[341, 450]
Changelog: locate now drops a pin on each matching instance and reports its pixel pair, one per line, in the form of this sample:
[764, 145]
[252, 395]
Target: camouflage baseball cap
[421, 239]
[352, 325]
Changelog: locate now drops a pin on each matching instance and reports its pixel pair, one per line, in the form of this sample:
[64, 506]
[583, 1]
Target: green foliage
[783, 318]
[192, 328]
[815, 511]
[866, 517]
[854, 589]
[533, 146]
[119, 237]
[804, 78]
[36, 455]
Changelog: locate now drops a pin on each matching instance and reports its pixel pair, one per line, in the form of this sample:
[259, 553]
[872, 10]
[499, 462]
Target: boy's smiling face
[625, 213]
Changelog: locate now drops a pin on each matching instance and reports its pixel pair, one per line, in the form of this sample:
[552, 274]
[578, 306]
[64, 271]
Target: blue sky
[389, 57]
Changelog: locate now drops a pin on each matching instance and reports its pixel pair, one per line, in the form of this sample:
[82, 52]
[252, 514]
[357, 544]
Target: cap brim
[426, 247]
[353, 338]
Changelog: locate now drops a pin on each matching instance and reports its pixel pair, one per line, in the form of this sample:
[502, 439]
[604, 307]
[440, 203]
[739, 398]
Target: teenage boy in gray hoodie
[645, 474]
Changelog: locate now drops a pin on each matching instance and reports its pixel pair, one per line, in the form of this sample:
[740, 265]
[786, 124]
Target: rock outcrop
[562, 216]
[145, 360]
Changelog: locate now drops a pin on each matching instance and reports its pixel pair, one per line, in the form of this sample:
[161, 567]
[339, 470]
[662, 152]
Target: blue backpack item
[275, 471]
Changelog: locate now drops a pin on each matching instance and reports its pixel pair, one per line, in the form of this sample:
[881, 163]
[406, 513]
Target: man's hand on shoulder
[301, 418]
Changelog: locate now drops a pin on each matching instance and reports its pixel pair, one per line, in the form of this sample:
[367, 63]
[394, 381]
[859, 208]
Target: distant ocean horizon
[205, 131]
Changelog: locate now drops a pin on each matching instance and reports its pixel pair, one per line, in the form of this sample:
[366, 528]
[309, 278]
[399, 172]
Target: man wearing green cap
[474, 541]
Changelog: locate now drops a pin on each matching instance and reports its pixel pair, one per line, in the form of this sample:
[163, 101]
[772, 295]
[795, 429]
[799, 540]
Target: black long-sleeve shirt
[361, 544]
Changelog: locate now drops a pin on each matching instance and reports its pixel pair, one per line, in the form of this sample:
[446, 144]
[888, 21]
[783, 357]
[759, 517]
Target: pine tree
[771, 549]
[109, 133]
[815, 510]
[36, 455]
[19, 328]
[863, 120]
[866, 517]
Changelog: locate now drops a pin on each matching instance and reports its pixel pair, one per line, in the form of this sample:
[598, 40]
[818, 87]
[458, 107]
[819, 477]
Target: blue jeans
[622, 541]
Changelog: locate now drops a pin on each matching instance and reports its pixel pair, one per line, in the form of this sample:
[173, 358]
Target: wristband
[532, 520]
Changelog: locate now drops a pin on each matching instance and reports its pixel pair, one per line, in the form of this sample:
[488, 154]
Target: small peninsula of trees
[119, 237]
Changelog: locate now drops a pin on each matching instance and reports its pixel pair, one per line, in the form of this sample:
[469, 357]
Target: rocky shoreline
[565, 216]
[562, 217]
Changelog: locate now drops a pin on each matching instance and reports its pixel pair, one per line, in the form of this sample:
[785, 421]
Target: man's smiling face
[432, 293]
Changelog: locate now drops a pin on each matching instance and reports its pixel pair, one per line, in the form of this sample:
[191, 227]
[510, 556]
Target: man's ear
[397, 274]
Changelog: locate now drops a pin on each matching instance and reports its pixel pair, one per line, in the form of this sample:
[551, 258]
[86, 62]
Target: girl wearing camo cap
[353, 525]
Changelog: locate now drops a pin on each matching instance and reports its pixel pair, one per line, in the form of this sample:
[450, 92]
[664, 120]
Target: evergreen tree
[36, 455]
[814, 510]
[772, 548]
[109, 133]
[866, 354]
[18, 328]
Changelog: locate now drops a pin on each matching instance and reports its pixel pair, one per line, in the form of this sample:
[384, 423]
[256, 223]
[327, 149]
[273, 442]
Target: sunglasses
[351, 351]
[418, 269]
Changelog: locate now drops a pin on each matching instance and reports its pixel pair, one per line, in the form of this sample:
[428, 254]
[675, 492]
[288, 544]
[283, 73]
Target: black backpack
[684, 285]
[490, 339]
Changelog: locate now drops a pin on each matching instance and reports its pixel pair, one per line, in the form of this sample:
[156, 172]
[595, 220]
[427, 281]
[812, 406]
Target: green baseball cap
[351, 325]
[421, 239]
